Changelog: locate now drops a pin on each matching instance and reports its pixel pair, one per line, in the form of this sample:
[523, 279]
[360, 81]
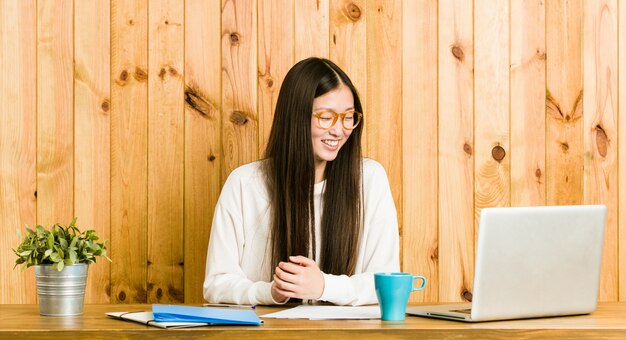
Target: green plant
[60, 246]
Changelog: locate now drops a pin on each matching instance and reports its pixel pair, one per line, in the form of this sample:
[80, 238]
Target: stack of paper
[147, 318]
[327, 313]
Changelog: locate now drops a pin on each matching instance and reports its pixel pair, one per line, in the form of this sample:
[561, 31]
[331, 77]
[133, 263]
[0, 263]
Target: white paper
[146, 318]
[313, 312]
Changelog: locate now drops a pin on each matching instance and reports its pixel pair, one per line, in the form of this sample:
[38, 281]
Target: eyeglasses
[326, 119]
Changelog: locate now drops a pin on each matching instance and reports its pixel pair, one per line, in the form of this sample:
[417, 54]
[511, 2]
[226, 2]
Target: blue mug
[393, 290]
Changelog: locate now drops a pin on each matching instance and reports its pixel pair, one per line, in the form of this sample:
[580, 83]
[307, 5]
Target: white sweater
[238, 267]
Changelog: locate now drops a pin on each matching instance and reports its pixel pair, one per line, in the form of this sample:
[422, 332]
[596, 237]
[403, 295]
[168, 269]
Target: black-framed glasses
[326, 119]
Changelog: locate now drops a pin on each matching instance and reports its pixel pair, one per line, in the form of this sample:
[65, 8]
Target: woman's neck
[320, 171]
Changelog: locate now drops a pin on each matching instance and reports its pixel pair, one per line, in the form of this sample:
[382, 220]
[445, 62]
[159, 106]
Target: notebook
[179, 316]
[222, 316]
[147, 318]
[532, 262]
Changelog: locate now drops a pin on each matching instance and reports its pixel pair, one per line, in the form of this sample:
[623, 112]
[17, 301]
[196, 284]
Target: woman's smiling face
[328, 142]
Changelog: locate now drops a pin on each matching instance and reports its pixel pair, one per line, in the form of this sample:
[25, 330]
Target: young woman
[313, 220]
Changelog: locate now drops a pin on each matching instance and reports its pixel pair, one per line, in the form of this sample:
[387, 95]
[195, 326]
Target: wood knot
[577, 111]
[538, 173]
[234, 38]
[353, 11]
[166, 22]
[553, 109]
[35, 194]
[564, 147]
[541, 55]
[140, 294]
[568, 117]
[106, 105]
[467, 295]
[602, 141]
[140, 74]
[121, 296]
[162, 73]
[124, 76]
[173, 72]
[238, 118]
[498, 153]
[176, 293]
[131, 22]
[269, 82]
[467, 149]
[159, 293]
[195, 101]
[211, 158]
[434, 255]
[458, 53]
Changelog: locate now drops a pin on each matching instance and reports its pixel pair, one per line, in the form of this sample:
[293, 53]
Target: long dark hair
[290, 171]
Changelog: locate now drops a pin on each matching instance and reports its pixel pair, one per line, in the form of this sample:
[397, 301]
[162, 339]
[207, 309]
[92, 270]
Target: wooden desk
[24, 322]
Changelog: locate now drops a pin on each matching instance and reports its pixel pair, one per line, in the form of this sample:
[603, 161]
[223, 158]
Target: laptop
[532, 262]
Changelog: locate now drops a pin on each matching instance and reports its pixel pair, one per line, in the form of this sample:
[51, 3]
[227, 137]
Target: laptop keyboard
[465, 311]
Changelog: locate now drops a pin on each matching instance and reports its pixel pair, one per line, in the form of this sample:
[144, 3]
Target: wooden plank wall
[92, 125]
[18, 144]
[129, 151]
[130, 115]
[455, 114]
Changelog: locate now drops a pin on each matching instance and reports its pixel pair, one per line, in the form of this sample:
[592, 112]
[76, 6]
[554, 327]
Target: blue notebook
[224, 316]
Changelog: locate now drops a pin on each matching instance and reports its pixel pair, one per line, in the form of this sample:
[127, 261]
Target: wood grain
[528, 110]
[456, 150]
[166, 121]
[491, 106]
[18, 130]
[419, 145]
[275, 58]
[55, 123]
[129, 150]
[621, 128]
[348, 47]
[239, 84]
[600, 128]
[92, 107]
[203, 152]
[23, 322]
[564, 107]
[311, 21]
[434, 118]
[384, 102]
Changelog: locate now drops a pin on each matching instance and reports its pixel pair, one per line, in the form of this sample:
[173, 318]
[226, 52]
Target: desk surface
[24, 322]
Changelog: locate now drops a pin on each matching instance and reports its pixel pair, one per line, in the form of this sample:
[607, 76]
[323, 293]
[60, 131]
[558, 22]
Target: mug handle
[423, 282]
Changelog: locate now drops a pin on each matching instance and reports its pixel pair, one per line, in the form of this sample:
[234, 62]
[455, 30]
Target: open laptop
[532, 262]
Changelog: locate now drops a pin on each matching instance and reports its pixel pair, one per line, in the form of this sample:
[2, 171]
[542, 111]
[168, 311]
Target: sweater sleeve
[225, 280]
[380, 252]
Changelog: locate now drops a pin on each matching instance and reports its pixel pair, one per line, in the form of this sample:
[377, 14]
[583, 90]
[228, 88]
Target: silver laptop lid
[538, 261]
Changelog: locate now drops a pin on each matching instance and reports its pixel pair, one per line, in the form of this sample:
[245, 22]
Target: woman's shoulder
[372, 168]
[247, 174]
[249, 169]
[375, 182]
[245, 183]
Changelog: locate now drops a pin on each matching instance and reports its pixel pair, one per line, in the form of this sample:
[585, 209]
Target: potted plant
[61, 256]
